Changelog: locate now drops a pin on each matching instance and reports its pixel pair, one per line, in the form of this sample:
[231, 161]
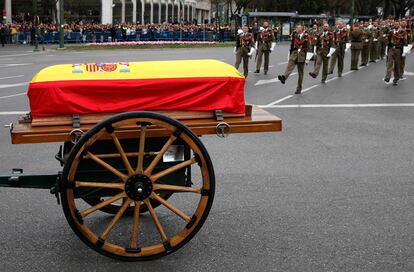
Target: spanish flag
[86, 88]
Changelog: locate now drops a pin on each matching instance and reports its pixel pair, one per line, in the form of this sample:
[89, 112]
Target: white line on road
[18, 55]
[12, 95]
[309, 88]
[283, 63]
[12, 112]
[14, 65]
[339, 106]
[11, 77]
[269, 81]
[4, 86]
[408, 73]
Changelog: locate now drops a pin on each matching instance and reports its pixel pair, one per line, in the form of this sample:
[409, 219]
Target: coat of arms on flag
[100, 67]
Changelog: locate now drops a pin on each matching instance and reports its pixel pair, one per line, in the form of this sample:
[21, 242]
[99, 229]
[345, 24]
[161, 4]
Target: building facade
[119, 11]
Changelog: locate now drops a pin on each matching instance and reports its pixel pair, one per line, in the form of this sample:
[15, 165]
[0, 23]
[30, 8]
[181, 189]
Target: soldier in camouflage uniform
[244, 49]
[323, 46]
[265, 45]
[396, 40]
[341, 37]
[299, 46]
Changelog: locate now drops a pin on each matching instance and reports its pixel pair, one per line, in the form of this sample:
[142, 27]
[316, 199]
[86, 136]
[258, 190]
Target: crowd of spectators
[10, 32]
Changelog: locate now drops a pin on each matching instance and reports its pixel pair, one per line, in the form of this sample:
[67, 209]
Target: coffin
[94, 88]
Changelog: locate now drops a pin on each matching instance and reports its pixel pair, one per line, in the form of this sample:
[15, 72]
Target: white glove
[252, 50]
[331, 51]
[235, 50]
[273, 47]
[239, 31]
[256, 45]
[410, 46]
[347, 46]
[314, 50]
[405, 51]
[309, 55]
[386, 50]
[375, 40]
[366, 40]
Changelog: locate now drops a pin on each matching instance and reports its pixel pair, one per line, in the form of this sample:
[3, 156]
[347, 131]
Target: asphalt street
[334, 191]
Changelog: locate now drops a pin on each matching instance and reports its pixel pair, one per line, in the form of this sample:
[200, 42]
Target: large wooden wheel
[140, 236]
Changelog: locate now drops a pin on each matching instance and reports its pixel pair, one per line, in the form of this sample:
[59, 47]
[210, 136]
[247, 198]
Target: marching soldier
[244, 49]
[381, 39]
[265, 45]
[407, 34]
[323, 46]
[341, 37]
[366, 44]
[313, 37]
[356, 37]
[373, 52]
[396, 41]
[299, 46]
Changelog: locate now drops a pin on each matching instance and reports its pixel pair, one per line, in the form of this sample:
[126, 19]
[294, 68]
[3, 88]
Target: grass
[146, 46]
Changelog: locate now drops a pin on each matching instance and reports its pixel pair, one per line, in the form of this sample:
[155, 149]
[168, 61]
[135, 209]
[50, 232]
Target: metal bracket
[222, 129]
[218, 114]
[75, 135]
[76, 120]
[15, 179]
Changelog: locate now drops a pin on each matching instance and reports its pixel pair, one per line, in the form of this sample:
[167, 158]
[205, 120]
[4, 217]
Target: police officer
[323, 46]
[299, 46]
[396, 41]
[244, 49]
[356, 37]
[265, 45]
[341, 37]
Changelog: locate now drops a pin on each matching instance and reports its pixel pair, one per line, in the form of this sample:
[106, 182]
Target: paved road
[333, 192]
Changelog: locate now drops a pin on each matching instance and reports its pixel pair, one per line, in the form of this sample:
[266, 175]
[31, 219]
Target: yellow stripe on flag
[137, 70]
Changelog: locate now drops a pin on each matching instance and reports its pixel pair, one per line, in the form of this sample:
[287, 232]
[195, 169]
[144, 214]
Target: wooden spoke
[99, 185]
[174, 188]
[116, 218]
[141, 150]
[128, 154]
[102, 204]
[122, 153]
[157, 158]
[107, 166]
[134, 243]
[173, 169]
[155, 219]
[171, 207]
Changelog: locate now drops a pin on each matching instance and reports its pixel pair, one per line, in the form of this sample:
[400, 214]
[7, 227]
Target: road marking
[18, 55]
[283, 63]
[329, 80]
[408, 73]
[269, 81]
[347, 73]
[4, 86]
[339, 106]
[14, 65]
[12, 112]
[309, 88]
[11, 77]
[12, 95]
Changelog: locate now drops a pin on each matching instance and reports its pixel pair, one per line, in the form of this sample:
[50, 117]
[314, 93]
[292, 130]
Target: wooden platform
[53, 130]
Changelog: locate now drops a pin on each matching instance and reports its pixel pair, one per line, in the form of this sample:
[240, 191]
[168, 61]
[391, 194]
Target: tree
[401, 7]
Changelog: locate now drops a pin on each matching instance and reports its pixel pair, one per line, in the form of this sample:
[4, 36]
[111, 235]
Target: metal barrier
[140, 35]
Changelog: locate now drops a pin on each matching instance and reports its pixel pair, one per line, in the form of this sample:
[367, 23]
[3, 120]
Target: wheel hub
[138, 187]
